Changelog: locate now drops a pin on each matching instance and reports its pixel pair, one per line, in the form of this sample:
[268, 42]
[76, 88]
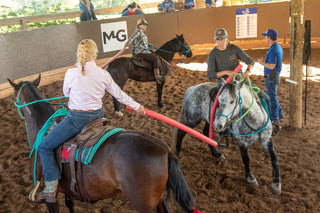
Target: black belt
[267, 76]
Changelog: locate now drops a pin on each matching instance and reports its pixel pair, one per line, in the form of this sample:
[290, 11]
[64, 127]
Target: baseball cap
[220, 33]
[142, 22]
[271, 33]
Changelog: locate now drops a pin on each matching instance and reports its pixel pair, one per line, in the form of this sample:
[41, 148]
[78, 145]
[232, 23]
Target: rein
[183, 52]
[239, 103]
[19, 105]
[45, 127]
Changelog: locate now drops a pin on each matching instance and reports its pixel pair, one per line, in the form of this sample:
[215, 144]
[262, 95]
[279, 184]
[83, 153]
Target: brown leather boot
[49, 194]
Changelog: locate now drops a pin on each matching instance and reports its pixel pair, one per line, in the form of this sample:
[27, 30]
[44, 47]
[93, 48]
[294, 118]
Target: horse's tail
[178, 185]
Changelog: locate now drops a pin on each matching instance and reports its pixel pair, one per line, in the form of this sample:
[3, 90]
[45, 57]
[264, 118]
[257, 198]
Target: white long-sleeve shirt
[86, 92]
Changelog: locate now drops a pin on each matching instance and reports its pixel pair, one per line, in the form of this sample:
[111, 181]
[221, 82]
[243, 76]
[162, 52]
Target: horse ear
[14, 85]
[37, 81]
[239, 84]
[223, 81]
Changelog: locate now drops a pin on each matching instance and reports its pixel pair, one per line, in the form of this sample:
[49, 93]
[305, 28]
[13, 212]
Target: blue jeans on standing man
[67, 128]
[271, 89]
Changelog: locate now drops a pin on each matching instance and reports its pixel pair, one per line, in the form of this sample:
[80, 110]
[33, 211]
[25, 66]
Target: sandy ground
[217, 186]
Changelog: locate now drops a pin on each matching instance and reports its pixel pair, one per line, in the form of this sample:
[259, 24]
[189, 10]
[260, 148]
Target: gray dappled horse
[254, 126]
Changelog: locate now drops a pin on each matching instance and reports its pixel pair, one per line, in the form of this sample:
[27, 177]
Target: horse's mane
[231, 88]
[169, 45]
[33, 89]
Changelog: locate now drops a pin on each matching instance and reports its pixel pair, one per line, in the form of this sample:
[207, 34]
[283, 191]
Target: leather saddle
[141, 62]
[88, 136]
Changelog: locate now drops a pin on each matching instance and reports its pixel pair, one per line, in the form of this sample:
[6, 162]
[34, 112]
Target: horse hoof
[222, 157]
[276, 188]
[162, 105]
[252, 181]
[119, 113]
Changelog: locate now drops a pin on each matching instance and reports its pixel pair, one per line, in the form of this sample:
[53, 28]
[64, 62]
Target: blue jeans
[67, 128]
[271, 89]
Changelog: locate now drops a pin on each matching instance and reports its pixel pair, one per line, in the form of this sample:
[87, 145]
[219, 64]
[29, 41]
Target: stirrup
[277, 129]
[32, 194]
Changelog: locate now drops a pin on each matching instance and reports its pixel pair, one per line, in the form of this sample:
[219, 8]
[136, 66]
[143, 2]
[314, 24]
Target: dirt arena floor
[217, 186]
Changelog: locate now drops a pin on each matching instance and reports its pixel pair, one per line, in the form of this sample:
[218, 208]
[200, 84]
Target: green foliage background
[22, 8]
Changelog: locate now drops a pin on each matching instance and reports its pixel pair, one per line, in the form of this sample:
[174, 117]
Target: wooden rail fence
[23, 21]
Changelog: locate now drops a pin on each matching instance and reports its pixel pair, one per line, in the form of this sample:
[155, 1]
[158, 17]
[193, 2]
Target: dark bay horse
[132, 162]
[241, 112]
[123, 68]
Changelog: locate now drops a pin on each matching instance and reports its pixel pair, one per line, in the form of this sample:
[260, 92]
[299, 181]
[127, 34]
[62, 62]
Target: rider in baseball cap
[271, 33]
[142, 22]
[220, 33]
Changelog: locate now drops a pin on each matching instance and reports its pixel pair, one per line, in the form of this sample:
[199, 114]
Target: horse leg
[53, 207]
[246, 161]
[178, 134]
[159, 90]
[213, 150]
[276, 183]
[116, 104]
[69, 203]
[177, 141]
[162, 207]
[117, 107]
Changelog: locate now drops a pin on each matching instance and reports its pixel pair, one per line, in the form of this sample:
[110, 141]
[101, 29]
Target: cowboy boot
[49, 193]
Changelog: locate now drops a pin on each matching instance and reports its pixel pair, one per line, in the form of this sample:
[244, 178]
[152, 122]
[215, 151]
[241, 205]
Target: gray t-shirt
[228, 59]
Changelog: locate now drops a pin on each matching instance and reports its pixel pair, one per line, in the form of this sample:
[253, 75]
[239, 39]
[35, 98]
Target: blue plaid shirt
[140, 42]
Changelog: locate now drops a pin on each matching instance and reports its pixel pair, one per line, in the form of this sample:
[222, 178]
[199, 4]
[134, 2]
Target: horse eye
[232, 102]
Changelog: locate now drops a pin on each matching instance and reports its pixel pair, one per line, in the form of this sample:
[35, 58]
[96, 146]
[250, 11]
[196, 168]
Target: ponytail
[86, 50]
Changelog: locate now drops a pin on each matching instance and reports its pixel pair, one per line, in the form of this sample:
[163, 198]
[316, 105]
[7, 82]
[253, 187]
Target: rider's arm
[115, 57]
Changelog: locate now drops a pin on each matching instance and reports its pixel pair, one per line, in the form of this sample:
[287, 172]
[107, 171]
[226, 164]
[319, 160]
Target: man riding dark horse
[140, 49]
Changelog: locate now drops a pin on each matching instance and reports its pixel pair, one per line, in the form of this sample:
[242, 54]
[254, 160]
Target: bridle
[230, 115]
[46, 126]
[186, 46]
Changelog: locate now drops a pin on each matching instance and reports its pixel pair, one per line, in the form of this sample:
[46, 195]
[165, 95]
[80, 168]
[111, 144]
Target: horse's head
[183, 47]
[228, 108]
[18, 89]
[26, 91]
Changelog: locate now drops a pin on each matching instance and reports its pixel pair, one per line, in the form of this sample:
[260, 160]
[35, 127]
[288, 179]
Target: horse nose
[217, 126]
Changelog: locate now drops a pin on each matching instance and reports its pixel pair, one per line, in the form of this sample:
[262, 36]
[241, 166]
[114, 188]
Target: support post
[24, 25]
[296, 66]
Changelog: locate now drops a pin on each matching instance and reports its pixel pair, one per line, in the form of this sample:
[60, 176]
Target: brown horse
[132, 162]
[124, 68]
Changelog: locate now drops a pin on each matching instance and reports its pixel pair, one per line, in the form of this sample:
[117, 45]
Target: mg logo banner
[114, 35]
